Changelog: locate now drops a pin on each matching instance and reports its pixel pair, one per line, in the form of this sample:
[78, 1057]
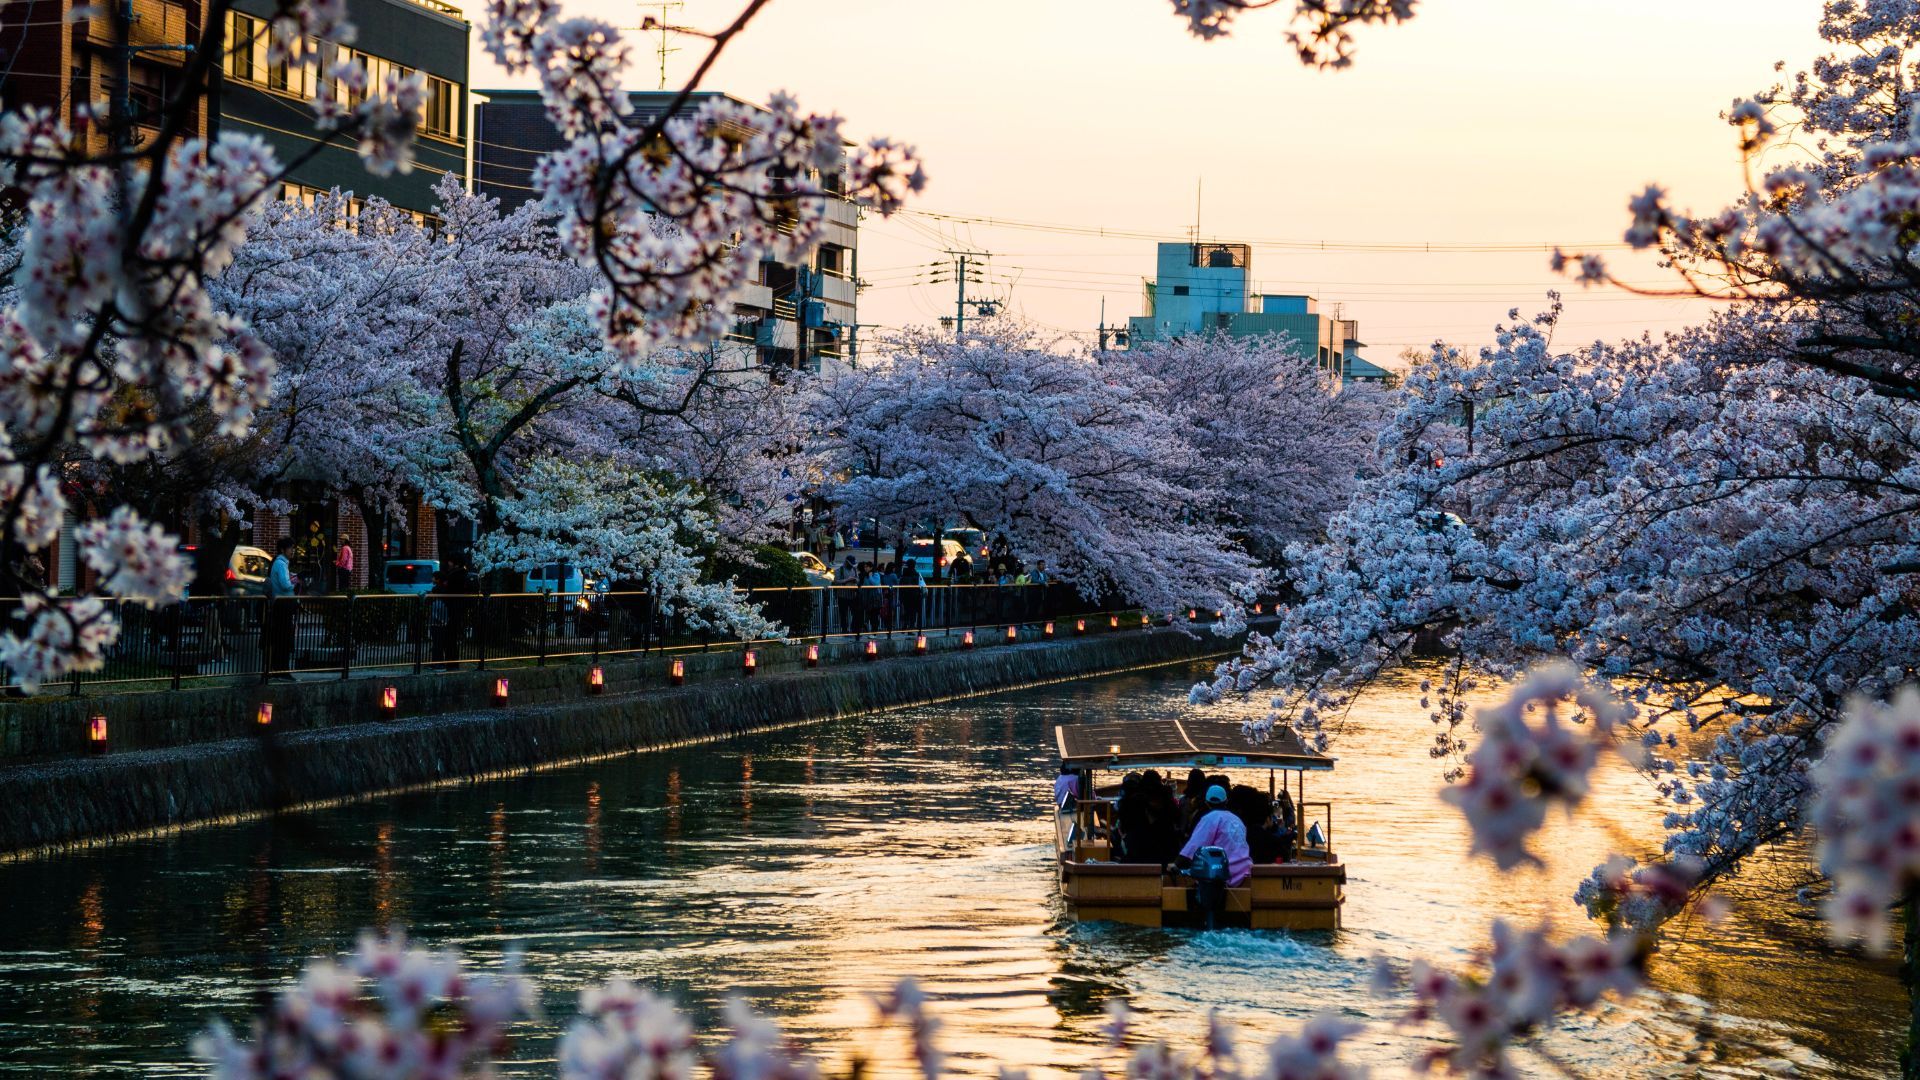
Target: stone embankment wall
[330, 747]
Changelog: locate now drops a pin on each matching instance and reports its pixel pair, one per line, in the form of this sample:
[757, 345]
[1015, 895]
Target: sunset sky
[1486, 122]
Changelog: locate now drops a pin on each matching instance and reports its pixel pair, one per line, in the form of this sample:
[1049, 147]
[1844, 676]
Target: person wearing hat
[1219, 828]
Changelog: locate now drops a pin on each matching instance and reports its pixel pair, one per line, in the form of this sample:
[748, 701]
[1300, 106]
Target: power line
[1394, 247]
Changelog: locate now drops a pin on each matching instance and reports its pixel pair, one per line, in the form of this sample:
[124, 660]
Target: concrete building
[803, 314]
[406, 36]
[54, 62]
[1204, 288]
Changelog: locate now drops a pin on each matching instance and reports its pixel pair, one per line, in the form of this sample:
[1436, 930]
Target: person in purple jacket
[1220, 828]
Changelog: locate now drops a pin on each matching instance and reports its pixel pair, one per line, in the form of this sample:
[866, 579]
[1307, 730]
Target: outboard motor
[1209, 874]
[1316, 838]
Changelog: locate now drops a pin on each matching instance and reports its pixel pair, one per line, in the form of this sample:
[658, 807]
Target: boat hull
[1286, 896]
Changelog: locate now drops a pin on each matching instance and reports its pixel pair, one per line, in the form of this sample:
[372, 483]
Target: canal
[807, 869]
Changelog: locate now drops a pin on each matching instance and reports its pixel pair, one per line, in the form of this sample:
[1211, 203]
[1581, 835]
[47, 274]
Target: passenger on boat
[1253, 808]
[1220, 828]
[1065, 785]
[1274, 839]
[1193, 801]
[1130, 821]
[1163, 821]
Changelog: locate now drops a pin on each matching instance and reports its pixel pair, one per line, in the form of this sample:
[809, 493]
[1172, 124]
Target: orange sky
[1481, 121]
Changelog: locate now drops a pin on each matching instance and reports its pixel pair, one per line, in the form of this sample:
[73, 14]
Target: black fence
[250, 637]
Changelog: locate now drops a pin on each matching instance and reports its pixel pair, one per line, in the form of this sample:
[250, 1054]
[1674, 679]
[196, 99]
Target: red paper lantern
[749, 662]
[97, 734]
[677, 674]
[389, 703]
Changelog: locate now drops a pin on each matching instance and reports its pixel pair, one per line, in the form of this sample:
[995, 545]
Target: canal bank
[72, 801]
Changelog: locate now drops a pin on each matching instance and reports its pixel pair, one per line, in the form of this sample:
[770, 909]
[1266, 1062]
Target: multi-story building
[1204, 288]
[801, 314]
[51, 61]
[404, 36]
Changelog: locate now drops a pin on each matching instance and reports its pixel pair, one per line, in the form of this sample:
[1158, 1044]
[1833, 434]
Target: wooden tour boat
[1304, 893]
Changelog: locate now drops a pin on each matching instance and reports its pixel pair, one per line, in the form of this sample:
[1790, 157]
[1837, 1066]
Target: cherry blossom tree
[1074, 462]
[116, 353]
[1261, 418]
[1722, 519]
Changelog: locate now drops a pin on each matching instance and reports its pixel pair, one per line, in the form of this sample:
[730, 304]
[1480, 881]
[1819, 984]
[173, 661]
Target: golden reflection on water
[383, 873]
[808, 870]
[593, 825]
[746, 789]
[673, 806]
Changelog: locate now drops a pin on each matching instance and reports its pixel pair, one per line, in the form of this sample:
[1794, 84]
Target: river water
[809, 868]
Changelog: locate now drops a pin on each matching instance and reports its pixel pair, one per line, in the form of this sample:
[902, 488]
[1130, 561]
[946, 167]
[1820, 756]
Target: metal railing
[241, 638]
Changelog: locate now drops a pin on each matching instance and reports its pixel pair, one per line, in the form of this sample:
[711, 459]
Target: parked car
[818, 573]
[246, 573]
[932, 557]
[413, 577]
[974, 540]
[556, 578]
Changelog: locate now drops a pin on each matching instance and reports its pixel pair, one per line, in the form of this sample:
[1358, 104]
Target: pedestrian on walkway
[282, 609]
[343, 568]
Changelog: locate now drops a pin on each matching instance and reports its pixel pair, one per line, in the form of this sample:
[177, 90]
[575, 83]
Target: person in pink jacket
[1222, 829]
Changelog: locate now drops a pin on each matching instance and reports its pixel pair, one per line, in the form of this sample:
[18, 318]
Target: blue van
[556, 578]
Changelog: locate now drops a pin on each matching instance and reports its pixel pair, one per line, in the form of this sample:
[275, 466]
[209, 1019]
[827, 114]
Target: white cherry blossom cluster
[1518, 768]
[1074, 460]
[676, 210]
[62, 635]
[1865, 813]
[395, 1011]
[1530, 980]
[619, 523]
[1624, 894]
[388, 1011]
[1322, 39]
[625, 1031]
[1312, 1053]
[136, 560]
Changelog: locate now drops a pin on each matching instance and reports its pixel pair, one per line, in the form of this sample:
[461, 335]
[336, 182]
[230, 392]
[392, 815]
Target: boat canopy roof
[1144, 744]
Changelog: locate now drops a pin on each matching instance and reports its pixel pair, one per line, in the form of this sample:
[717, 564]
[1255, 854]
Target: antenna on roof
[662, 24]
[1199, 188]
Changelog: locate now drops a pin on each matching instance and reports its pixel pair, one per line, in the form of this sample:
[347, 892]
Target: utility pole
[960, 301]
[802, 295]
[1119, 333]
[120, 108]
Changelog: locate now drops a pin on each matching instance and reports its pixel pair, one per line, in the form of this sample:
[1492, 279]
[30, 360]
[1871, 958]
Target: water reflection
[808, 869]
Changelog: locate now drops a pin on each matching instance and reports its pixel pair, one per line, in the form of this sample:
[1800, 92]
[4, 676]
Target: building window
[295, 75]
[246, 59]
[441, 113]
[1179, 290]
